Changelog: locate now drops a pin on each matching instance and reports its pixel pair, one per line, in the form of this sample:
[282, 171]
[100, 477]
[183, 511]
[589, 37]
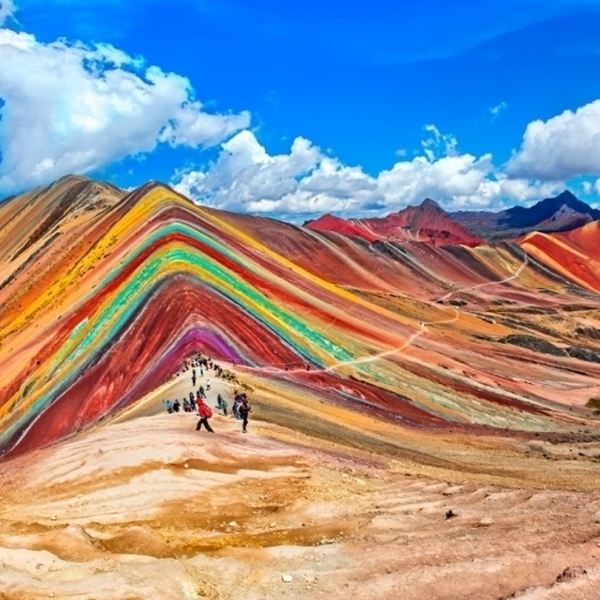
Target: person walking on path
[168, 405]
[222, 404]
[201, 392]
[244, 410]
[205, 413]
[208, 385]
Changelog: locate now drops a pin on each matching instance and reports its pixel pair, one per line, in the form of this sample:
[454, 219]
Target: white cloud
[307, 182]
[591, 188]
[561, 147]
[440, 143]
[69, 108]
[7, 9]
[496, 110]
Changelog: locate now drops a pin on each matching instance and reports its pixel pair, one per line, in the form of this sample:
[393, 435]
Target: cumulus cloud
[307, 182]
[7, 9]
[69, 107]
[561, 147]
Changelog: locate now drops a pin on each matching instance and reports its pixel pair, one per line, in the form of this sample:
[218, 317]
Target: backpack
[207, 411]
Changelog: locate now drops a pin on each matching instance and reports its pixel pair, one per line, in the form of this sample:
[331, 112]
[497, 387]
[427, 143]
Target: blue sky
[295, 109]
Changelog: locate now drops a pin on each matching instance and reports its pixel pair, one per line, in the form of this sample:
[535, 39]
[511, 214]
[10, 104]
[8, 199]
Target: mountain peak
[428, 222]
[429, 204]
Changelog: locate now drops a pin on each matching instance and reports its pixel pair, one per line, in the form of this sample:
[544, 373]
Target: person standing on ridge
[244, 410]
[205, 413]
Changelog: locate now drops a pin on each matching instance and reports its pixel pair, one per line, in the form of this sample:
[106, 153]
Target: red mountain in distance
[425, 223]
[354, 227]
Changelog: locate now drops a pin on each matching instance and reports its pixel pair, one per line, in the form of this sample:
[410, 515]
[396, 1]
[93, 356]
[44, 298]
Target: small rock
[450, 514]
[286, 578]
[273, 525]
[233, 524]
[53, 518]
[186, 466]
[486, 522]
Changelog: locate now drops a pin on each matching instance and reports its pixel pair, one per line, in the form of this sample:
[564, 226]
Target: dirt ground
[145, 507]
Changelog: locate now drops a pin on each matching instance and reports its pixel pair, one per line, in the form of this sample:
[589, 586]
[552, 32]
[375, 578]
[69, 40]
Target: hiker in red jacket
[205, 413]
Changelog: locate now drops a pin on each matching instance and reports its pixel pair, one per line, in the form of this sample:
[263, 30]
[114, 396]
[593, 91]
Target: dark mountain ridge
[431, 223]
[561, 213]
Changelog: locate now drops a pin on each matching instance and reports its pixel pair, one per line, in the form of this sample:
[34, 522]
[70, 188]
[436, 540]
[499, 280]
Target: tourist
[244, 410]
[222, 404]
[235, 407]
[205, 413]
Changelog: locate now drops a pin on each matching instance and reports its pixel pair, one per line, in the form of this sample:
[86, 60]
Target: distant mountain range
[426, 223]
[562, 213]
[430, 223]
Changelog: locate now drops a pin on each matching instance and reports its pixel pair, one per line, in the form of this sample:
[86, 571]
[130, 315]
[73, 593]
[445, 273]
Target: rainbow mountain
[104, 294]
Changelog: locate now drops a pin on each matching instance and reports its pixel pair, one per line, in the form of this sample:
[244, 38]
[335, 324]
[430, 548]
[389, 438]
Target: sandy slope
[150, 508]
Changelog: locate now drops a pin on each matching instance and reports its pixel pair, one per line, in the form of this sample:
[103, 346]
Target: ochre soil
[145, 507]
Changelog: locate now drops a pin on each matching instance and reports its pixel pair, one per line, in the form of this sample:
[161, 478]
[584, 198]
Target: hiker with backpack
[205, 413]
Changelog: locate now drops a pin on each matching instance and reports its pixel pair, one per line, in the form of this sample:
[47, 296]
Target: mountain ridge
[428, 222]
[101, 307]
[544, 216]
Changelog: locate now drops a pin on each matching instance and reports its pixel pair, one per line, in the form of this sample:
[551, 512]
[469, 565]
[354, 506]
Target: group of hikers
[196, 402]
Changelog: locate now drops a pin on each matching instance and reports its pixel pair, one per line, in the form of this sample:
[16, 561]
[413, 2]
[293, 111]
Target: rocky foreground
[146, 507]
